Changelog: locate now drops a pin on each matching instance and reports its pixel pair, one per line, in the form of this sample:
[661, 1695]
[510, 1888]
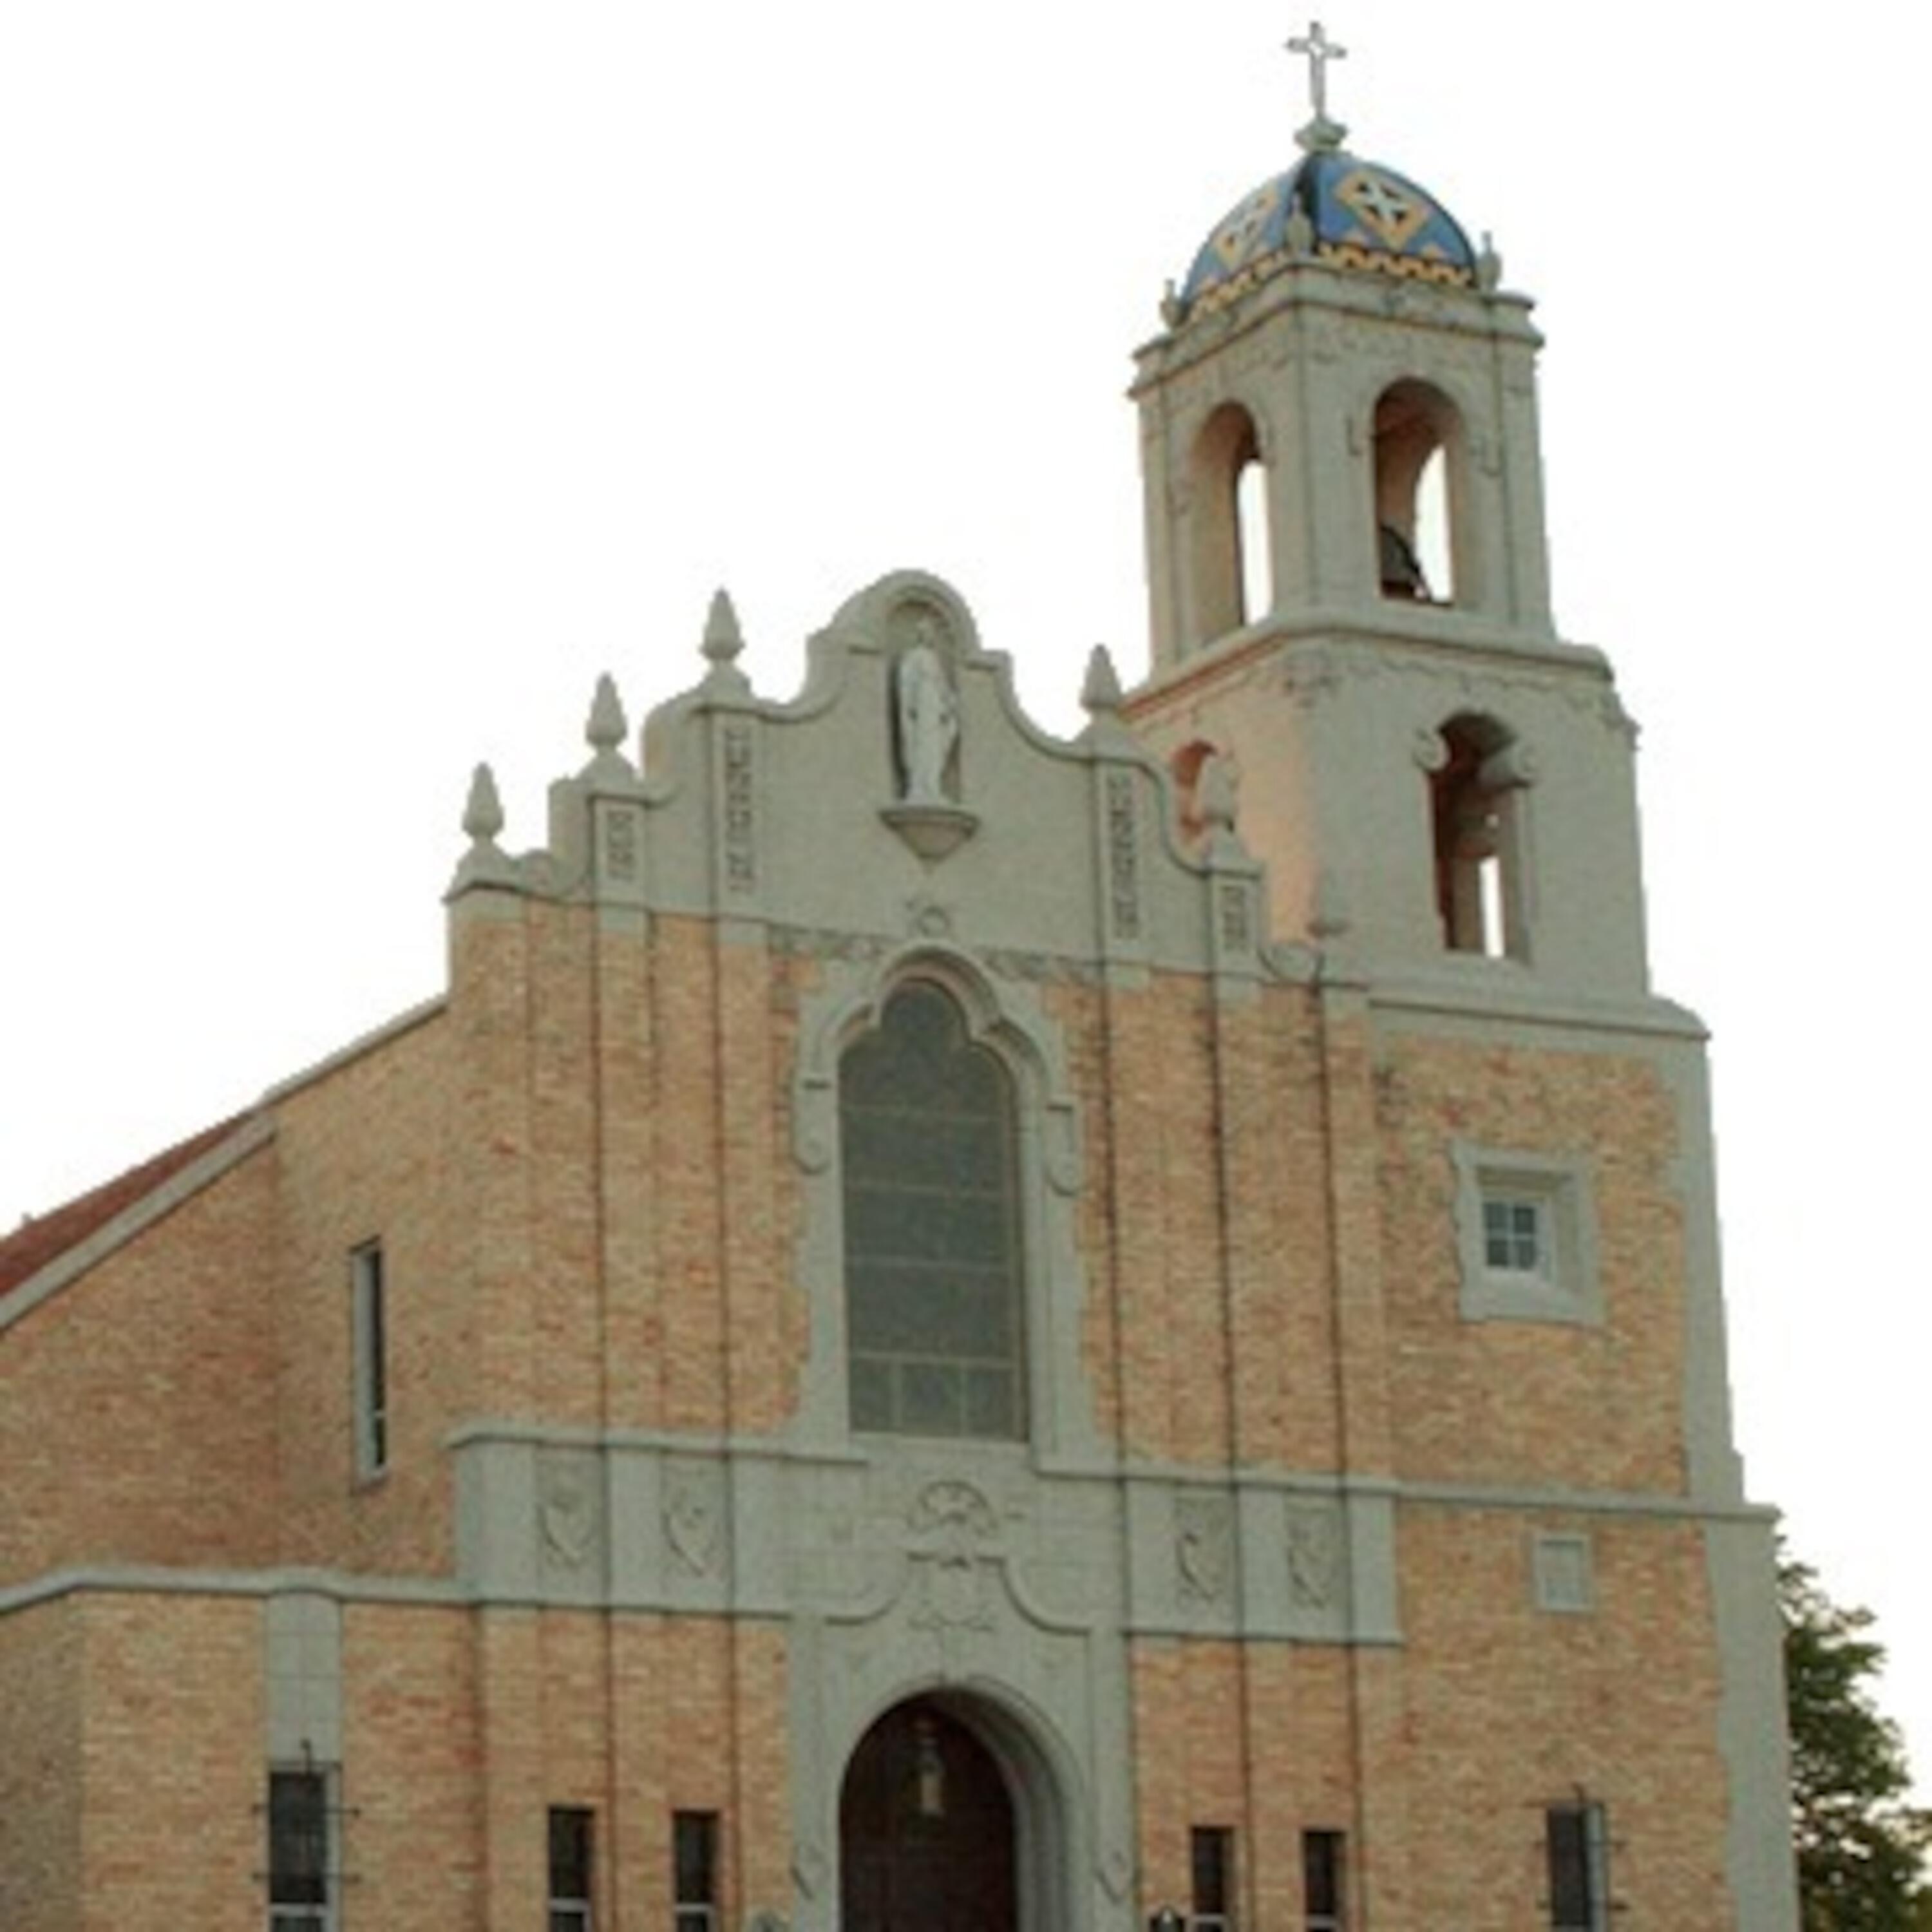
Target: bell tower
[1349, 588]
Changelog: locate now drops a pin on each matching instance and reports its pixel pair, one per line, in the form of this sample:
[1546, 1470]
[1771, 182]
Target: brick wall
[138, 1422]
[40, 1770]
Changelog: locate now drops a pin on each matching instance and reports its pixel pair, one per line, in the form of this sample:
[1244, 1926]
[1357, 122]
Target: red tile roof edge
[44, 1238]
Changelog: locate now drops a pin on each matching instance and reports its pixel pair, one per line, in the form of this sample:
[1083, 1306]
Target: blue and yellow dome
[1339, 210]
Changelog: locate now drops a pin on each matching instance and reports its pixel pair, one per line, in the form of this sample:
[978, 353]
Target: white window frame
[369, 1318]
[1565, 1286]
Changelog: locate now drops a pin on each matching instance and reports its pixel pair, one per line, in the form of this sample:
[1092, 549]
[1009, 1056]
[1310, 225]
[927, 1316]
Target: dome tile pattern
[1339, 210]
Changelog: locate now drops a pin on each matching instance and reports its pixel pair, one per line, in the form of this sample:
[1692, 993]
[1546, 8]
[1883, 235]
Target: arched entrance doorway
[928, 1836]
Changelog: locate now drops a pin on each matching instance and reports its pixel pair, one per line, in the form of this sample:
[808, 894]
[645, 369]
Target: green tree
[1860, 1846]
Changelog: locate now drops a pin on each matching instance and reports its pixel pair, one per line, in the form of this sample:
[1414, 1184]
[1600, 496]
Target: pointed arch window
[1418, 443]
[933, 1267]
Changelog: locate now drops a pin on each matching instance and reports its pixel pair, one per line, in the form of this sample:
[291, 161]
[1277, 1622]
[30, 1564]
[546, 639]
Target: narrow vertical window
[1475, 803]
[298, 1852]
[571, 1866]
[934, 1314]
[1324, 1869]
[1212, 1847]
[1579, 1852]
[369, 1317]
[694, 1870]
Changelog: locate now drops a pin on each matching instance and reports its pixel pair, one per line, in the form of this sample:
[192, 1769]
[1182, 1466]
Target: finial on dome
[1489, 266]
[1173, 309]
[1321, 133]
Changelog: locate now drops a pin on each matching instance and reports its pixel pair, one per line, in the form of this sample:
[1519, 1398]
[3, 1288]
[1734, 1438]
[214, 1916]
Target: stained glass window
[933, 1304]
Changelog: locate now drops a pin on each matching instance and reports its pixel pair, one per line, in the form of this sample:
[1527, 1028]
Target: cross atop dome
[1321, 132]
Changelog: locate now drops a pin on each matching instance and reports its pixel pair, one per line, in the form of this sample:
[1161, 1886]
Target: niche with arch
[1422, 548]
[1233, 559]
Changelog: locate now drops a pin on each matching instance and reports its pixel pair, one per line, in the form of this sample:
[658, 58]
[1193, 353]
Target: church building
[945, 1329]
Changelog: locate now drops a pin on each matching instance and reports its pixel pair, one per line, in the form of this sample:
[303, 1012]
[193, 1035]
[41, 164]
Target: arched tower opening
[1232, 557]
[1475, 796]
[1421, 548]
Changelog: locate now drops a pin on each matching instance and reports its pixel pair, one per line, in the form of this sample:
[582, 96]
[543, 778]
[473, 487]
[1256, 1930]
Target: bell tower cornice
[1316, 298]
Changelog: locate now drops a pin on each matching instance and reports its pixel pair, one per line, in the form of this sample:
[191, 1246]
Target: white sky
[374, 375]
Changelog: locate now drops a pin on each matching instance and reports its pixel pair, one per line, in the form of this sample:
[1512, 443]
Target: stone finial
[606, 728]
[1173, 309]
[1100, 691]
[1489, 265]
[1298, 232]
[485, 863]
[723, 638]
[483, 814]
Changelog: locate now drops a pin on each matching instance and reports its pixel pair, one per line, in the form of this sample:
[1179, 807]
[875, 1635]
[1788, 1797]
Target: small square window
[1525, 1237]
[1516, 1238]
[1561, 1565]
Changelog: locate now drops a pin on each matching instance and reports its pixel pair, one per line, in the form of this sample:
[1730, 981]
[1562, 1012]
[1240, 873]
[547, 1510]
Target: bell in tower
[1349, 587]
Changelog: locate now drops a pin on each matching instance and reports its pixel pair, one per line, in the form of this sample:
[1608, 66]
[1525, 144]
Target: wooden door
[926, 1829]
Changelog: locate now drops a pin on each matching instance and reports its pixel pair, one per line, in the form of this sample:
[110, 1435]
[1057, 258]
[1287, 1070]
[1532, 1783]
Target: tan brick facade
[1255, 1294]
[1320, 1519]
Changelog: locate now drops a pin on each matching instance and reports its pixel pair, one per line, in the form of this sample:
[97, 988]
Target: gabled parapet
[915, 793]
